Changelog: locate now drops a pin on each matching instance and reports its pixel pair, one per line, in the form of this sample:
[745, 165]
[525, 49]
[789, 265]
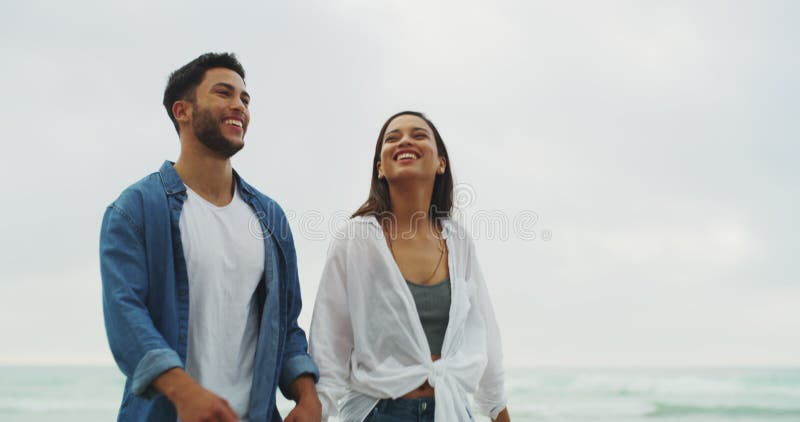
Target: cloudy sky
[654, 142]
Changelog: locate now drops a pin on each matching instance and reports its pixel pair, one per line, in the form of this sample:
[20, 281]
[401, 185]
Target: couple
[201, 314]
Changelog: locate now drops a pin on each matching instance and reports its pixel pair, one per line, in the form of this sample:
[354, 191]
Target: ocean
[92, 394]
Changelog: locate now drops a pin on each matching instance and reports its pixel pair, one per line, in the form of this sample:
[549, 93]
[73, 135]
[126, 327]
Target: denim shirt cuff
[153, 364]
[294, 367]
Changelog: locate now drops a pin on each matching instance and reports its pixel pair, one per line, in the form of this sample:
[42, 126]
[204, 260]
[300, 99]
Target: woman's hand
[502, 416]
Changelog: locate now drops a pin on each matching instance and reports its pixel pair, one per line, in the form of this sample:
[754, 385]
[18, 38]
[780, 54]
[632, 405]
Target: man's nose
[238, 104]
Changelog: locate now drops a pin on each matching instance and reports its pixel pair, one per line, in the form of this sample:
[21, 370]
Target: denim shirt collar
[267, 214]
[174, 185]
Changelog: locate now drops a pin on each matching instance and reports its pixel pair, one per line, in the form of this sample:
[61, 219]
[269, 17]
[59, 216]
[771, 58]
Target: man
[200, 288]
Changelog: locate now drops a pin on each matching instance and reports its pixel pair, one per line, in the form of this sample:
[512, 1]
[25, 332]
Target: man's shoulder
[270, 205]
[141, 194]
[269, 212]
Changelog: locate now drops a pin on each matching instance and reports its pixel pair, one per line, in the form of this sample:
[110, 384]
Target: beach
[92, 394]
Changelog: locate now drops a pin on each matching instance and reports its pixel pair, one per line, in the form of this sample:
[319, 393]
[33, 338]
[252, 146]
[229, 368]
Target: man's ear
[182, 110]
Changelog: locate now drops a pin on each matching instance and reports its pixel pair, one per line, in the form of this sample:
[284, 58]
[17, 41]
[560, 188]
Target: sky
[628, 168]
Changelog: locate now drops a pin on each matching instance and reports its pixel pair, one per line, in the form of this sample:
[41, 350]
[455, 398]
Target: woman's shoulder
[354, 230]
[454, 231]
[367, 220]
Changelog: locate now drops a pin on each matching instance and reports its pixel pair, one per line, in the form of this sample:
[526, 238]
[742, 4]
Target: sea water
[576, 395]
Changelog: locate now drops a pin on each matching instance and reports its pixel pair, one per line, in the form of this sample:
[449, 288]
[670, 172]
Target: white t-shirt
[225, 263]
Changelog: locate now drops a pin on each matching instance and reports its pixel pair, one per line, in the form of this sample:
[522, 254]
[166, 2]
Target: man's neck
[206, 173]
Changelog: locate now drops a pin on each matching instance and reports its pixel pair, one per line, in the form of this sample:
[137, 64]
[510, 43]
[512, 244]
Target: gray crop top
[433, 307]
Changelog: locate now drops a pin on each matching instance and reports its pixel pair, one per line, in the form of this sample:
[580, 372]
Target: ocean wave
[671, 410]
[661, 384]
[626, 384]
[28, 405]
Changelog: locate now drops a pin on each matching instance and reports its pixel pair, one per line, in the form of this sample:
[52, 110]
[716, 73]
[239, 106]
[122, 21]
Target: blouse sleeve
[491, 395]
[331, 333]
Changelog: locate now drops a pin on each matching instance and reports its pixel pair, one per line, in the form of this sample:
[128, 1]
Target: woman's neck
[411, 210]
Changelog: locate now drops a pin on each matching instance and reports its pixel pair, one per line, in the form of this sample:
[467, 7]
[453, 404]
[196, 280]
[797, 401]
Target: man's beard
[208, 132]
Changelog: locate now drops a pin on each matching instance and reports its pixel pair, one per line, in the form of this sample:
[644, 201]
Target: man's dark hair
[183, 82]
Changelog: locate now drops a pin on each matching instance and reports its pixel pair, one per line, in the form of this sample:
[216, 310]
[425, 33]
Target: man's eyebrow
[231, 87]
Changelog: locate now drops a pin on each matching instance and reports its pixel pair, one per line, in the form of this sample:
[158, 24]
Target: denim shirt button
[182, 337]
[183, 292]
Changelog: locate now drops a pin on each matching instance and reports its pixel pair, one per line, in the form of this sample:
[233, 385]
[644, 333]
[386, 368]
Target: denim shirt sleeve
[138, 348]
[295, 361]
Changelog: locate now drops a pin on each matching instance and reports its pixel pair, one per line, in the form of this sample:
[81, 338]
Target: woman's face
[409, 151]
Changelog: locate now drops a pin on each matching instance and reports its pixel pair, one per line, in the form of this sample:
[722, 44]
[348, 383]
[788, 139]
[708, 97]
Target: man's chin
[225, 149]
[231, 150]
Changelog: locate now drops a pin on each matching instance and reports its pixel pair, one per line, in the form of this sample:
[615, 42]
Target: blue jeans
[402, 410]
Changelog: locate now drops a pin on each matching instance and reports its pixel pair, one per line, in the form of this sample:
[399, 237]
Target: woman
[403, 327]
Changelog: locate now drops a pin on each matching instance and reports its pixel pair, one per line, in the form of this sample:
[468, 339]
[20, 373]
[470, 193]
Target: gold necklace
[438, 262]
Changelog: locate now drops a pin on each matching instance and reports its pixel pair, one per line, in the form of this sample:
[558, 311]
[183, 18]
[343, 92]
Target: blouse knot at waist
[437, 372]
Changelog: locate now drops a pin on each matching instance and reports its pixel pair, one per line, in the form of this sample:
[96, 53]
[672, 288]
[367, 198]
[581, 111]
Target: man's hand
[308, 408]
[193, 402]
[200, 405]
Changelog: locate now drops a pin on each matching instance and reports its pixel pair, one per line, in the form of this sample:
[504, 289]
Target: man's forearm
[171, 382]
[308, 407]
[303, 388]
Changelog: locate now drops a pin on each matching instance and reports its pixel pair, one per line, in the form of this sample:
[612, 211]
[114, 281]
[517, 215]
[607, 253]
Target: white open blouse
[367, 338]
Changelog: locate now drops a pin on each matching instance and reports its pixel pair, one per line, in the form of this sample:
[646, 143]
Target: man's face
[220, 113]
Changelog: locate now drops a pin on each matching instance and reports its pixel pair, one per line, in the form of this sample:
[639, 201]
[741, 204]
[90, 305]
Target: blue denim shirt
[146, 296]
